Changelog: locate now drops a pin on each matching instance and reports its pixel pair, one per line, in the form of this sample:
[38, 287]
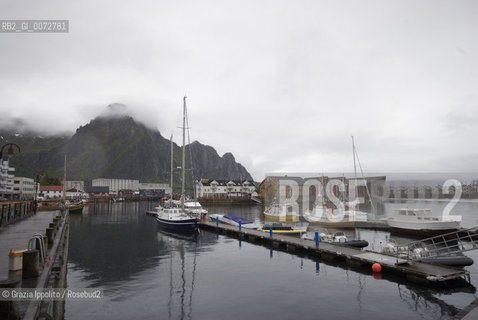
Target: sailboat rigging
[178, 218]
[75, 206]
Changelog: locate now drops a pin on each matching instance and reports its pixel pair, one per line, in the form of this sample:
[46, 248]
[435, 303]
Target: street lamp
[37, 183]
[11, 149]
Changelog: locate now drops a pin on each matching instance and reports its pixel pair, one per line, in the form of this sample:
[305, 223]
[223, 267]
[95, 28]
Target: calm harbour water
[148, 274]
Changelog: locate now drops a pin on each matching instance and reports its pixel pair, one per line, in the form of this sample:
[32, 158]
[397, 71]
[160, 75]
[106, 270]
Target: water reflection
[112, 246]
[150, 273]
[181, 287]
[425, 304]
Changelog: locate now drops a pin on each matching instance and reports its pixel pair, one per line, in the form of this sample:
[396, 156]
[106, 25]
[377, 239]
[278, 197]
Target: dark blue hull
[178, 225]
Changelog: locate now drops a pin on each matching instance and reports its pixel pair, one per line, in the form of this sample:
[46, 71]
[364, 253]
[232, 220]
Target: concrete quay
[43, 265]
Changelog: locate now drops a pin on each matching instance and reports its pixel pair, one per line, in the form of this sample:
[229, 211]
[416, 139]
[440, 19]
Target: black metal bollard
[31, 264]
[50, 235]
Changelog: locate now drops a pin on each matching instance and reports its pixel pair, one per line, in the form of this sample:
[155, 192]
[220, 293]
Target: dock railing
[452, 243]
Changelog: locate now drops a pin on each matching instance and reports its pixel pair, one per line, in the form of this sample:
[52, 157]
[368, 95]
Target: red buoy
[376, 267]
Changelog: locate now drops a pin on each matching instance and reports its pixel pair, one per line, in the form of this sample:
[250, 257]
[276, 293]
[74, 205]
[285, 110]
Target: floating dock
[419, 272]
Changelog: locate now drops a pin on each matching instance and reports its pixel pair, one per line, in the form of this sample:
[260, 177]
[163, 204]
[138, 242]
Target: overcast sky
[280, 84]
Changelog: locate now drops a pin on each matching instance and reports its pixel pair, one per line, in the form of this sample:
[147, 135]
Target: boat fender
[376, 267]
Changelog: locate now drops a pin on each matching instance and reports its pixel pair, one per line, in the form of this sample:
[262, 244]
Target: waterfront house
[51, 192]
[224, 189]
[269, 187]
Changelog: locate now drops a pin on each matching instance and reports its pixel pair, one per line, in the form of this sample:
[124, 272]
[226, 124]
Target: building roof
[51, 188]
[301, 181]
[207, 182]
[276, 179]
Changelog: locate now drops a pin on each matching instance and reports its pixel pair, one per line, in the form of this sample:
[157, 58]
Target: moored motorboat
[422, 219]
[176, 219]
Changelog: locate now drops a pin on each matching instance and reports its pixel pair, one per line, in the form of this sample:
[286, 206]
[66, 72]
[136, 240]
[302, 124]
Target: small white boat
[421, 219]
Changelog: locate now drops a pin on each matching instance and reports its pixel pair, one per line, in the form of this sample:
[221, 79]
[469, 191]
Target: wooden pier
[419, 272]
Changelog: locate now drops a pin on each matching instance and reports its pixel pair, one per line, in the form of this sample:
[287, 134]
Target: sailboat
[319, 209]
[75, 206]
[340, 217]
[353, 214]
[177, 217]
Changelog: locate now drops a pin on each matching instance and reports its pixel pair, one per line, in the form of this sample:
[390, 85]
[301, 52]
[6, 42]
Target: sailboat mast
[355, 169]
[184, 153]
[353, 151]
[172, 168]
[64, 181]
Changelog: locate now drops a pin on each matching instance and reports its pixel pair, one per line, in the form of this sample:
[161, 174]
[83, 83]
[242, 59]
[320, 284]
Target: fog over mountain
[115, 145]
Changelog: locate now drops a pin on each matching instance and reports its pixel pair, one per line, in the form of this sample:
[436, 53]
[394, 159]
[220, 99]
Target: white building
[209, 188]
[116, 185]
[51, 192]
[23, 188]
[6, 186]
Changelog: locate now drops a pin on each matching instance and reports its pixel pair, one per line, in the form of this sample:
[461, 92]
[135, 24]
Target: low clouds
[280, 84]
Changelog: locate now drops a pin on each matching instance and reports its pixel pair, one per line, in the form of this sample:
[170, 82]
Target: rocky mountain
[207, 163]
[116, 147]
